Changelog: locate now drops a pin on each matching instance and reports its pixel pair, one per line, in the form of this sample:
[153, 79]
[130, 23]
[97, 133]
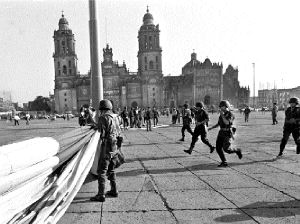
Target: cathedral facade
[199, 81]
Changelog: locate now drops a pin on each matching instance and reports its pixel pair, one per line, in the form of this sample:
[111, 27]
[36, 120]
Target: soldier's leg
[102, 170]
[228, 149]
[189, 129]
[194, 140]
[111, 176]
[219, 145]
[205, 140]
[296, 136]
[182, 132]
[284, 140]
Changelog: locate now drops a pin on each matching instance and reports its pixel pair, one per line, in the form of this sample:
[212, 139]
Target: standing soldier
[186, 120]
[246, 113]
[109, 128]
[201, 120]
[274, 114]
[124, 116]
[155, 116]
[131, 117]
[225, 134]
[291, 125]
[148, 119]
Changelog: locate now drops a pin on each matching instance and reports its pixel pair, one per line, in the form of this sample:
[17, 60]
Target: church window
[65, 94]
[151, 65]
[146, 45]
[65, 69]
[58, 64]
[69, 63]
[70, 71]
[153, 89]
[145, 59]
[157, 66]
[58, 72]
[65, 100]
[63, 43]
[146, 67]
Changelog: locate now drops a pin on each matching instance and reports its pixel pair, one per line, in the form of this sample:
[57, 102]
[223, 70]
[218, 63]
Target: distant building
[199, 81]
[266, 97]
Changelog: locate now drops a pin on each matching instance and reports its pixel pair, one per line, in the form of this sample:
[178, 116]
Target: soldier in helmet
[186, 120]
[201, 120]
[291, 125]
[109, 128]
[225, 134]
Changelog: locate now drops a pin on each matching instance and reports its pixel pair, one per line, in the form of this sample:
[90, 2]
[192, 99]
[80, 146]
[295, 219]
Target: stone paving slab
[147, 217]
[213, 216]
[196, 199]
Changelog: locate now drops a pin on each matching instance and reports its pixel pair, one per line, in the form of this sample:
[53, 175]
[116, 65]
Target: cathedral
[199, 81]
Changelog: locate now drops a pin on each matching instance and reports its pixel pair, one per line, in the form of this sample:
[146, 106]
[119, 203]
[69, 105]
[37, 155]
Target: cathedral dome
[63, 23]
[148, 18]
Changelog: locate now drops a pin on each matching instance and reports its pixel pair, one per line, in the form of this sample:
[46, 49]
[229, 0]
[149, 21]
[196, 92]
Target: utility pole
[253, 85]
[96, 74]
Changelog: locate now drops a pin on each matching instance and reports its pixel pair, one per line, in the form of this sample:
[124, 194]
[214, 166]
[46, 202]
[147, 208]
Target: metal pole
[96, 74]
[253, 85]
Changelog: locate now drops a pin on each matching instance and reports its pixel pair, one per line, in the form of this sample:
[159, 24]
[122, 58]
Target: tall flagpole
[96, 74]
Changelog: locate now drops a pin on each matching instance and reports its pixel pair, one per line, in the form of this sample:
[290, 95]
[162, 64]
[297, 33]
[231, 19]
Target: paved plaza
[160, 183]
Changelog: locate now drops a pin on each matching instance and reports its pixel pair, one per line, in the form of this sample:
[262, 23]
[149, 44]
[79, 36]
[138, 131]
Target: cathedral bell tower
[65, 66]
[149, 62]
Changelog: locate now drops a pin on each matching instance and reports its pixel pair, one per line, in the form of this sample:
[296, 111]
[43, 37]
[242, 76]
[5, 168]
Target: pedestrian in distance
[155, 116]
[226, 133]
[27, 117]
[247, 111]
[124, 116]
[201, 121]
[186, 120]
[291, 125]
[148, 119]
[17, 118]
[274, 114]
[110, 142]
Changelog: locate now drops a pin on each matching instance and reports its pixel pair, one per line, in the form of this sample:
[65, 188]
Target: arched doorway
[207, 100]
[134, 104]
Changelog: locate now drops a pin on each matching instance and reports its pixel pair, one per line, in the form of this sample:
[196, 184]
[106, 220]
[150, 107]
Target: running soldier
[246, 113]
[274, 113]
[110, 142]
[291, 125]
[225, 134]
[201, 120]
[186, 120]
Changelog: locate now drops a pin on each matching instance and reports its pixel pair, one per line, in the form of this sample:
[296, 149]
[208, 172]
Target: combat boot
[223, 164]
[113, 190]
[100, 197]
[189, 151]
[239, 153]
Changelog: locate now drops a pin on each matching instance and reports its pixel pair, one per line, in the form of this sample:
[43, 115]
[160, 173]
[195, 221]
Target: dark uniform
[274, 114]
[155, 117]
[225, 134]
[148, 119]
[124, 116]
[291, 126]
[201, 119]
[109, 128]
[246, 113]
[186, 120]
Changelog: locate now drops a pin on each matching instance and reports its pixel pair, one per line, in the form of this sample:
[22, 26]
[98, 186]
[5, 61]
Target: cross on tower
[147, 8]
[62, 13]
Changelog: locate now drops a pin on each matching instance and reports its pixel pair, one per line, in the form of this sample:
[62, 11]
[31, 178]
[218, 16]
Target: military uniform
[186, 120]
[246, 113]
[225, 134]
[124, 116]
[201, 119]
[109, 128]
[274, 114]
[291, 126]
[148, 119]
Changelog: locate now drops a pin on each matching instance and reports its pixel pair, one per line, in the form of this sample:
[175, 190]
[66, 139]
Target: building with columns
[199, 81]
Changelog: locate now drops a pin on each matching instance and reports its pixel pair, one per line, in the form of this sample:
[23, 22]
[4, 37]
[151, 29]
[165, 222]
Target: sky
[240, 33]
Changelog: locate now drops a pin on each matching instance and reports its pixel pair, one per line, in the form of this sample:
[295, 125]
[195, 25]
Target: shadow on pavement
[263, 209]
[204, 166]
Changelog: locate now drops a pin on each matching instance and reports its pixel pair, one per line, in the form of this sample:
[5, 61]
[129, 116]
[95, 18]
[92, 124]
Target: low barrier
[40, 177]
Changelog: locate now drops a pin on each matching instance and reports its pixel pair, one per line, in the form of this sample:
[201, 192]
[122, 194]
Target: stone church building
[199, 81]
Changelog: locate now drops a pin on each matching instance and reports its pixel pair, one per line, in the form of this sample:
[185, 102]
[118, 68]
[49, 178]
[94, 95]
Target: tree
[41, 104]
